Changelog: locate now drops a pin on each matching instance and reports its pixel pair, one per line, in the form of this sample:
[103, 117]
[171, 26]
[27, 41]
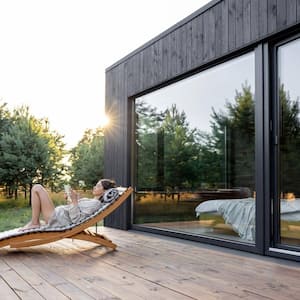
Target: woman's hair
[108, 184]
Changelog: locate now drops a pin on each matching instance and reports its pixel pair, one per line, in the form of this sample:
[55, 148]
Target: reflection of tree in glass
[148, 119]
[167, 149]
[171, 155]
[148, 122]
[233, 135]
[289, 143]
[181, 151]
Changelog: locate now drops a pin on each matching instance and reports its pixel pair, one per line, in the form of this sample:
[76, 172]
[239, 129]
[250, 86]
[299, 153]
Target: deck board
[145, 266]
[6, 291]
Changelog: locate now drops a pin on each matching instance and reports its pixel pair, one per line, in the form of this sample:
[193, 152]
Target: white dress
[65, 215]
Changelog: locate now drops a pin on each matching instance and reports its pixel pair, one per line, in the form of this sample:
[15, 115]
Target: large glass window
[289, 142]
[195, 154]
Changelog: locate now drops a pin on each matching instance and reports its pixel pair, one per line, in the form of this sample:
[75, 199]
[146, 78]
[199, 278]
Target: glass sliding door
[288, 114]
[195, 160]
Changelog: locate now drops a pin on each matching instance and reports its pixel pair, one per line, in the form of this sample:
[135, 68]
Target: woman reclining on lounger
[65, 215]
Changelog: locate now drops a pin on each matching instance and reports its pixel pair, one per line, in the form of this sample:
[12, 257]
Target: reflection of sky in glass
[198, 94]
[289, 66]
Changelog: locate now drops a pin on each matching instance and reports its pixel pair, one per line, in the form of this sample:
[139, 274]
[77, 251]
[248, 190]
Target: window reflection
[195, 154]
[289, 189]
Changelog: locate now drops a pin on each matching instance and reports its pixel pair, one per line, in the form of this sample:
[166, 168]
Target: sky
[197, 95]
[54, 53]
[289, 66]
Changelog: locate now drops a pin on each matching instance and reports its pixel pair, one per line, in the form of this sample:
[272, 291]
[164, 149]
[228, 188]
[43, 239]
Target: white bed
[240, 213]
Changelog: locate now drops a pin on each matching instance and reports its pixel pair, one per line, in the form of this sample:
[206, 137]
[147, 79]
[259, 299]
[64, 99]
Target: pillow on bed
[110, 195]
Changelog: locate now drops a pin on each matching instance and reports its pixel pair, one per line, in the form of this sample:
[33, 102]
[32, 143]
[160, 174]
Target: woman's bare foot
[30, 226]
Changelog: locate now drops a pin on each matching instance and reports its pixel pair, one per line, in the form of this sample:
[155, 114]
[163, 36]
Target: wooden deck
[144, 266]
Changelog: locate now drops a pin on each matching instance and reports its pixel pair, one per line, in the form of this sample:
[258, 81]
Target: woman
[65, 215]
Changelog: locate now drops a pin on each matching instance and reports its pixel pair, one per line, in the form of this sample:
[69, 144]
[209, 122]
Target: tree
[236, 125]
[54, 170]
[5, 121]
[289, 142]
[87, 158]
[234, 138]
[210, 163]
[27, 153]
[167, 149]
[150, 147]
[4, 118]
[181, 151]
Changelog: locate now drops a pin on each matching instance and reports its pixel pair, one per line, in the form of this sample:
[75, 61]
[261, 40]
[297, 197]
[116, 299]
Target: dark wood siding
[272, 13]
[246, 21]
[218, 29]
[116, 161]
[231, 24]
[263, 17]
[291, 12]
[197, 41]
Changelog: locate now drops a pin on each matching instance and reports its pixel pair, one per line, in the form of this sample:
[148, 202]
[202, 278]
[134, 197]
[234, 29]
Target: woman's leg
[40, 204]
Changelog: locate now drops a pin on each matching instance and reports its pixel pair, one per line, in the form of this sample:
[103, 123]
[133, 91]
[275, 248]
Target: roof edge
[166, 32]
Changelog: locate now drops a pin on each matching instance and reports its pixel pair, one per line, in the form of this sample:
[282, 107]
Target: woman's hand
[74, 197]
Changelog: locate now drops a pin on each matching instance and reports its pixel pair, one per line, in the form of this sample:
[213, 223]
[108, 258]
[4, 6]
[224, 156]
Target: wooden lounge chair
[16, 239]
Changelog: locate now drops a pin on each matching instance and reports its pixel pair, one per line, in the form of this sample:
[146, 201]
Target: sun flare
[104, 121]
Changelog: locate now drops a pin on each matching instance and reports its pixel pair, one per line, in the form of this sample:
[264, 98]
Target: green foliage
[234, 139]
[181, 151]
[210, 162]
[88, 159]
[4, 118]
[173, 156]
[238, 126]
[150, 149]
[29, 151]
[167, 150]
[289, 143]
[54, 170]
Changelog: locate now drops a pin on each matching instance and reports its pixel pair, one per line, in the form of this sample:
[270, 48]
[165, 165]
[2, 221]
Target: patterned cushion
[110, 195]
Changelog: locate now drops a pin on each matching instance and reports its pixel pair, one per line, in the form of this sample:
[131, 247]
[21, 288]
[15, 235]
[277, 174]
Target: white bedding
[240, 213]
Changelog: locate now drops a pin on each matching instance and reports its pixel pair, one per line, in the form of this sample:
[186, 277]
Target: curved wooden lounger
[80, 231]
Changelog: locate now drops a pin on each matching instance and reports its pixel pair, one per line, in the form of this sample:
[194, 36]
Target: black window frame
[272, 244]
[259, 245]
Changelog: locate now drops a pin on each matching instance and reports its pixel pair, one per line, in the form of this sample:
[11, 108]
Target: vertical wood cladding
[221, 27]
[291, 13]
[116, 161]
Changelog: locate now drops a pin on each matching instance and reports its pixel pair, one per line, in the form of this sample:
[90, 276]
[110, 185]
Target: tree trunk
[30, 187]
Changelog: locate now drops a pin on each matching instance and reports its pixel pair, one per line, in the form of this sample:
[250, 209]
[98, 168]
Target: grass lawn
[155, 208]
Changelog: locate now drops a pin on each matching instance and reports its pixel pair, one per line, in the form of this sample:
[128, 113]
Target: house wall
[219, 29]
